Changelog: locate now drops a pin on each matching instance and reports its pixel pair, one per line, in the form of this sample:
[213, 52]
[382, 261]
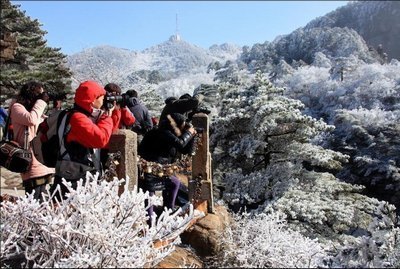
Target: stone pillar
[200, 186]
[125, 141]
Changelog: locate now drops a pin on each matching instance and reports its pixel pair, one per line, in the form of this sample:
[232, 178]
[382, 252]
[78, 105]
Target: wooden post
[125, 141]
[200, 186]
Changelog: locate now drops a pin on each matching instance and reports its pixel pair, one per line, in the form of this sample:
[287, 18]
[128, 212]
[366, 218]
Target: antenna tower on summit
[177, 37]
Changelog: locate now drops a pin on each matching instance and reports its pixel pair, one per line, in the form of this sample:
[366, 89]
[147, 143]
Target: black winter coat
[164, 146]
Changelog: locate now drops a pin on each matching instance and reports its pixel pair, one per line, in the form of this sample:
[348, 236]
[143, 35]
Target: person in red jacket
[90, 129]
[122, 117]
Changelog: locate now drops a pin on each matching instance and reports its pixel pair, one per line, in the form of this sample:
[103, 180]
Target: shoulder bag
[12, 156]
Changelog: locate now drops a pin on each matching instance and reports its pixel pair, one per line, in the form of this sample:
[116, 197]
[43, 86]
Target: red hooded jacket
[83, 129]
[121, 117]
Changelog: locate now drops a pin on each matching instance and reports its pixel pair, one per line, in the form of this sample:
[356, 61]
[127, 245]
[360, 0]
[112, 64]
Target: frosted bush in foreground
[93, 227]
[265, 241]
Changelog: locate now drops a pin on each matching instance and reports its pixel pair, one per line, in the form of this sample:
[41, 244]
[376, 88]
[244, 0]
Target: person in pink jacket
[28, 111]
[90, 129]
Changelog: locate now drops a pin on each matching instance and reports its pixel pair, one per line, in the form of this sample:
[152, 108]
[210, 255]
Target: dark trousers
[169, 195]
[38, 185]
[61, 195]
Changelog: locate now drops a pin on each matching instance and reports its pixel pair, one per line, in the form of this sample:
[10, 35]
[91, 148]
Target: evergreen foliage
[364, 107]
[266, 157]
[34, 60]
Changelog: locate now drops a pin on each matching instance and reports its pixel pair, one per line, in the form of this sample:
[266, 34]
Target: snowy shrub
[365, 110]
[93, 227]
[179, 86]
[370, 136]
[326, 204]
[261, 241]
[259, 186]
[379, 250]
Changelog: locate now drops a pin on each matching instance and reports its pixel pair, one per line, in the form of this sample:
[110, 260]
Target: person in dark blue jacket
[3, 119]
[143, 121]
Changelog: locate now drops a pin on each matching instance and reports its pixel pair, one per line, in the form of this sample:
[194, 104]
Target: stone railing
[125, 141]
[200, 185]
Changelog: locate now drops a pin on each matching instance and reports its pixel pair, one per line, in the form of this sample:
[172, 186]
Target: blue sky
[137, 25]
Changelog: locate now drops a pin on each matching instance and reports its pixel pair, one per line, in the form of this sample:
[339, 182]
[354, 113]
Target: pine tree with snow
[266, 158]
[34, 59]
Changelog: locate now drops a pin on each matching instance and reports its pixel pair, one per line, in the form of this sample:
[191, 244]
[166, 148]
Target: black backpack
[48, 131]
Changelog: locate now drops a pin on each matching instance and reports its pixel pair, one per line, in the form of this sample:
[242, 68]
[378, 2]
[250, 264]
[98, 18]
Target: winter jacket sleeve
[28, 118]
[20, 117]
[147, 118]
[89, 134]
[179, 142]
[3, 116]
[127, 117]
[116, 119]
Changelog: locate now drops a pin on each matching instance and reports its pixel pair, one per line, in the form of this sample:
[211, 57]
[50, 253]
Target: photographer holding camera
[90, 130]
[186, 105]
[164, 145]
[121, 115]
[28, 112]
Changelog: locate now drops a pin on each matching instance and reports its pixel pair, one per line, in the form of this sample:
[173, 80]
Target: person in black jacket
[186, 105]
[164, 145]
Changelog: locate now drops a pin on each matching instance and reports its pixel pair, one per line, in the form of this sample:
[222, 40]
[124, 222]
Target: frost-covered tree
[34, 59]
[94, 227]
[266, 157]
[150, 98]
[263, 133]
[365, 109]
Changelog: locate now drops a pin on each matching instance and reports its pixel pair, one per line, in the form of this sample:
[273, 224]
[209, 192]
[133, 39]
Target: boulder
[181, 258]
[203, 236]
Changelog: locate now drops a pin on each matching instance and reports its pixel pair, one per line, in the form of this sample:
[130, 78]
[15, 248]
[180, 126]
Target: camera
[53, 96]
[122, 100]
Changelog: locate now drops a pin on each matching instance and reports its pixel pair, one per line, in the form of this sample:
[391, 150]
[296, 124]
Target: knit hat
[170, 100]
[112, 87]
[185, 96]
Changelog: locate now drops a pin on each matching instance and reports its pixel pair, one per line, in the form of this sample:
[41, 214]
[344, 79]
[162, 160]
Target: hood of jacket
[86, 93]
[134, 101]
[173, 122]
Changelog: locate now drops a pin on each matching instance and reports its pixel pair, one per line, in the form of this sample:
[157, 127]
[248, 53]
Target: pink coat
[20, 118]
